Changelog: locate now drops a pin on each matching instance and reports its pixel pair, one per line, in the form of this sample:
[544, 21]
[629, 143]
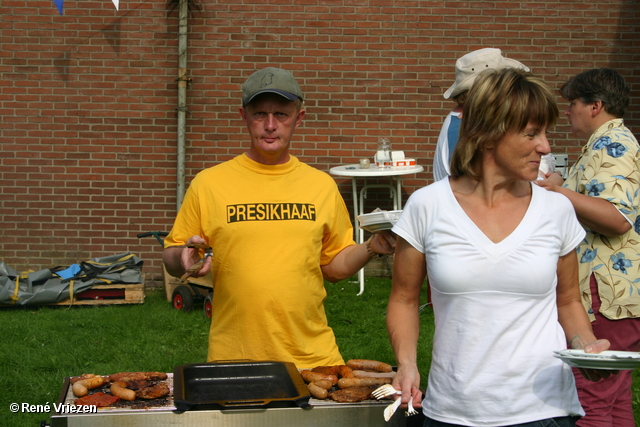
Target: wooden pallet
[202, 285]
[108, 294]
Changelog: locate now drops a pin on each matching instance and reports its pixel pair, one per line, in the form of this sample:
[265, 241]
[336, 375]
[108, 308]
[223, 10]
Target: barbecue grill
[293, 408]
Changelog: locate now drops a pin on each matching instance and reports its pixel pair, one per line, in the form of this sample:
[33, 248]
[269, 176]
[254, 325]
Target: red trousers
[608, 402]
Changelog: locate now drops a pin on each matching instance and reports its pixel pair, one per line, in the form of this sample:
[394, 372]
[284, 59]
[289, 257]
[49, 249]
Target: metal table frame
[354, 172]
[320, 415]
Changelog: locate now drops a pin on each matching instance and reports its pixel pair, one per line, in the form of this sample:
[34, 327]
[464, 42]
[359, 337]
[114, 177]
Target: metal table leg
[395, 195]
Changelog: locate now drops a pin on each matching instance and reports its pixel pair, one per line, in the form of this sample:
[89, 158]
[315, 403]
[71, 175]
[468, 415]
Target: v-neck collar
[480, 240]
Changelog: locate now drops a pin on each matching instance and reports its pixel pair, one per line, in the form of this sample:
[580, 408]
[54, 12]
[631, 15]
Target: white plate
[378, 221]
[608, 360]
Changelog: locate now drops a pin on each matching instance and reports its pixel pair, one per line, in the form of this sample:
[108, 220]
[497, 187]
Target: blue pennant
[59, 5]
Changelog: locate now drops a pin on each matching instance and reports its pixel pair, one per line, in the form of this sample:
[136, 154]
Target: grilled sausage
[325, 384]
[369, 365]
[344, 371]
[316, 391]
[369, 374]
[310, 376]
[327, 370]
[341, 371]
[119, 389]
[362, 382]
[81, 387]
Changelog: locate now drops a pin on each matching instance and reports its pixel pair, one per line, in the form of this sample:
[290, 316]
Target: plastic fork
[410, 409]
[385, 391]
[388, 390]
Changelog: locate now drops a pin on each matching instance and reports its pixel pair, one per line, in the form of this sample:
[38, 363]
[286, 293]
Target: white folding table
[354, 172]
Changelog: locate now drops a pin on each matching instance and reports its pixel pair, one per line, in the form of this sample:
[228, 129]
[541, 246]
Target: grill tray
[238, 384]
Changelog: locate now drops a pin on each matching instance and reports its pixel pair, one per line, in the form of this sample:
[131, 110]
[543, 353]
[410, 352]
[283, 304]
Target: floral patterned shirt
[609, 168]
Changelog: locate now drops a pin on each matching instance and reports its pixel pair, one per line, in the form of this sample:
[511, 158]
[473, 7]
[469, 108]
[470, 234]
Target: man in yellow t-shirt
[278, 228]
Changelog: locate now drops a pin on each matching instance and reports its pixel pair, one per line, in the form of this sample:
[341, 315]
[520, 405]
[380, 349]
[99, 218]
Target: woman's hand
[596, 374]
[407, 380]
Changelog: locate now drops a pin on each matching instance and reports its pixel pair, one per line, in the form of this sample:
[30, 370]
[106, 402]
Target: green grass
[359, 321]
[42, 346]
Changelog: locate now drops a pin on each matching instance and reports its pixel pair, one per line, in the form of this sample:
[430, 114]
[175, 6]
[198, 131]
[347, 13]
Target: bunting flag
[59, 5]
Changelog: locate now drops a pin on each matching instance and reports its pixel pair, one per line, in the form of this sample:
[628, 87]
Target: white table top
[355, 170]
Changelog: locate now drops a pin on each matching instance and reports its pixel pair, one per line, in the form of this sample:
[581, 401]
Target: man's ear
[299, 117]
[596, 108]
[243, 114]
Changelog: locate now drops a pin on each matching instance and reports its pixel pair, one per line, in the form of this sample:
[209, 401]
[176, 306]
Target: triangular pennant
[116, 3]
[59, 5]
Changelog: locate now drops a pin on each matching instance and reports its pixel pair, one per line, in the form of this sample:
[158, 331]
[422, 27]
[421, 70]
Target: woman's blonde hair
[499, 102]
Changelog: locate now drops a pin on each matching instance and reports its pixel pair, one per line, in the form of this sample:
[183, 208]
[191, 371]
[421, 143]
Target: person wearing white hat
[467, 69]
[278, 228]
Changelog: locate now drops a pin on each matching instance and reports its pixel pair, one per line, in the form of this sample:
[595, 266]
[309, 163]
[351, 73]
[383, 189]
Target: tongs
[208, 253]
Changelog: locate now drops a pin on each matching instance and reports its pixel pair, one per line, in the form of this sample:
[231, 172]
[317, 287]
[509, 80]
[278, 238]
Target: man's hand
[193, 264]
[180, 259]
[551, 182]
[354, 257]
[384, 243]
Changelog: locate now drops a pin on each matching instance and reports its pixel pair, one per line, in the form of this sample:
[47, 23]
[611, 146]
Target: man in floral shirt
[604, 188]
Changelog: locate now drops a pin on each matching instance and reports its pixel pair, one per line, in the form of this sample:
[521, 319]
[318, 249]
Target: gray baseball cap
[273, 80]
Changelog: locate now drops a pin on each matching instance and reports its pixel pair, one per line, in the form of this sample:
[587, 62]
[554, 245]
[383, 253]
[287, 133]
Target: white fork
[410, 409]
[388, 390]
[384, 391]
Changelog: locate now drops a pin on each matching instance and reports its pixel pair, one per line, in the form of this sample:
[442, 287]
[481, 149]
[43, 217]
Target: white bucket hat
[471, 64]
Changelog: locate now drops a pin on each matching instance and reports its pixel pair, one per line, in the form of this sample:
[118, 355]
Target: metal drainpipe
[182, 99]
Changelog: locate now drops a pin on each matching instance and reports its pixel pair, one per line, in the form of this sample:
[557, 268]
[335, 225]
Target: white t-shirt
[495, 310]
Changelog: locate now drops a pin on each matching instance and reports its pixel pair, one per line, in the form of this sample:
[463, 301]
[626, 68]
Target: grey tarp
[45, 287]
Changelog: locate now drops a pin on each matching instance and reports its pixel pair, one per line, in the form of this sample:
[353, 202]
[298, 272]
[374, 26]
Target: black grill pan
[238, 384]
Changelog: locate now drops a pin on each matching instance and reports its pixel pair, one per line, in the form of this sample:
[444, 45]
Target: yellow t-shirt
[271, 228]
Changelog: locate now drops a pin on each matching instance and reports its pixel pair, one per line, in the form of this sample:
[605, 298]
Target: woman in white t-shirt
[500, 260]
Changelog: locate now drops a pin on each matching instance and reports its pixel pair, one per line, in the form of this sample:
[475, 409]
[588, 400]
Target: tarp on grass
[47, 286]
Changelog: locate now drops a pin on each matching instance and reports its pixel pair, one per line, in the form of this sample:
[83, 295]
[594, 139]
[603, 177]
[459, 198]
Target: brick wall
[88, 99]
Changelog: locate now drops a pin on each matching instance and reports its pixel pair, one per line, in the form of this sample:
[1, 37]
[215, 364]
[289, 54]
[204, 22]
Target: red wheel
[182, 298]
[208, 303]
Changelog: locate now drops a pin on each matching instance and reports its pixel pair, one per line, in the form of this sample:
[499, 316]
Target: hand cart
[185, 293]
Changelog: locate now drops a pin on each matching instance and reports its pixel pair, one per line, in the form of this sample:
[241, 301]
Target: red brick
[88, 99]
